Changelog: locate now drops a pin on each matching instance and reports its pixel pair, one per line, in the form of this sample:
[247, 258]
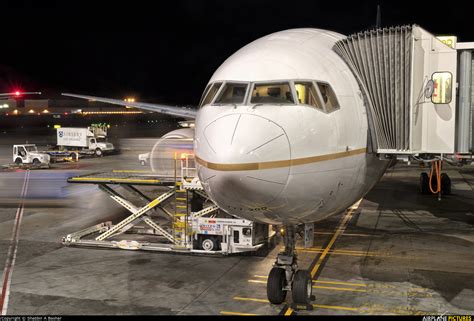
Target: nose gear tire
[302, 287]
[275, 286]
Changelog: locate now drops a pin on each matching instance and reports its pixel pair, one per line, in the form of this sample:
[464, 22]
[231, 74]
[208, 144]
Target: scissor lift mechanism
[104, 233]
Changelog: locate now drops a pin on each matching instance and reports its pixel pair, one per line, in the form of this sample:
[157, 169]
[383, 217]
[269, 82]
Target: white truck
[144, 159]
[28, 154]
[83, 139]
[228, 235]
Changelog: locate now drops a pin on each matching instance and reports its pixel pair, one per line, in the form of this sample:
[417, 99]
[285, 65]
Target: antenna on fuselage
[378, 20]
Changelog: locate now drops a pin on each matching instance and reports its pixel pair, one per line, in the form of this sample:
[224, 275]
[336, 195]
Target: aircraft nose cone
[243, 161]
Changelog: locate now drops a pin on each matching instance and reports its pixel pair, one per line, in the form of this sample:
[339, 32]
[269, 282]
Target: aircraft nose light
[243, 155]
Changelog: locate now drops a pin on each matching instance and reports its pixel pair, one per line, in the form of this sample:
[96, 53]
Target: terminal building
[41, 116]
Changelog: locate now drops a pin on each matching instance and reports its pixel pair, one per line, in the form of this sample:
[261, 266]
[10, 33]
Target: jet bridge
[418, 89]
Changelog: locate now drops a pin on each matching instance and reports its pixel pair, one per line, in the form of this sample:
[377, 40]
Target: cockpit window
[211, 93]
[308, 95]
[329, 98]
[272, 93]
[204, 94]
[232, 93]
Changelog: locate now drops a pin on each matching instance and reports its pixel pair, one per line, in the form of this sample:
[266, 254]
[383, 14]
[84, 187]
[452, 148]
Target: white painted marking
[12, 250]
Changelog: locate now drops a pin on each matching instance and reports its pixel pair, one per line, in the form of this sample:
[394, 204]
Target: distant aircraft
[18, 93]
[281, 137]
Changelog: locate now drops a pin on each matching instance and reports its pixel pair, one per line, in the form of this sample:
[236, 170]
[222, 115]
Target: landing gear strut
[285, 276]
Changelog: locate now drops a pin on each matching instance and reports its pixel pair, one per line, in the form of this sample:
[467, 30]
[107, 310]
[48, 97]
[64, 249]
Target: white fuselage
[293, 163]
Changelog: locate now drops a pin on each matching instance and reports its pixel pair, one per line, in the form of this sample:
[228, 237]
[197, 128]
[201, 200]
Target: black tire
[445, 184]
[18, 161]
[275, 284]
[98, 152]
[208, 244]
[424, 183]
[36, 161]
[302, 288]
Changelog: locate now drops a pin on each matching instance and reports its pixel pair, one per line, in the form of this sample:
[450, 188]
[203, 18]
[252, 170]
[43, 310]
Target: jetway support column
[464, 122]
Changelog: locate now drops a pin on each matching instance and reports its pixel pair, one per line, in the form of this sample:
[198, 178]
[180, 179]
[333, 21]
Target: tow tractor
[28, 155]
[175, 220]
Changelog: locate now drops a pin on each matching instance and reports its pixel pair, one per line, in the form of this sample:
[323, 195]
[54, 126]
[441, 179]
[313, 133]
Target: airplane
[18, 93]
[281, 137]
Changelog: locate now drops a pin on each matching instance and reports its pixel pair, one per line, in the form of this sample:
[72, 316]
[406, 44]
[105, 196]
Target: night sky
[166, 51]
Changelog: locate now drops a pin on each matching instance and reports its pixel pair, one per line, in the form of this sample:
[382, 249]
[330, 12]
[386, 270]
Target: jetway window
[308, 95]
[272, 93]
[232, 93]
[442, 87]
[328, 96]
[211, 93]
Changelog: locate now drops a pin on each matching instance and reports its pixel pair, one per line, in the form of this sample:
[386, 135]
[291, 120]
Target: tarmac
[397, 252]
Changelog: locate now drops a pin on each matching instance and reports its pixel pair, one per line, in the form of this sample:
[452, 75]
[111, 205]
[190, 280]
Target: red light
[17, 93]
[65, 114]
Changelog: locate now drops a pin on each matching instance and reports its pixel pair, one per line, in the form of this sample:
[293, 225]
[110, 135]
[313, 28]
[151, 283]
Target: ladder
[181, 228]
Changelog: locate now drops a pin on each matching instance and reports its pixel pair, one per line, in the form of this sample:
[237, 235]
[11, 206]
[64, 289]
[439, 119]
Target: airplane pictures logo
[61, 133]
[447, 318]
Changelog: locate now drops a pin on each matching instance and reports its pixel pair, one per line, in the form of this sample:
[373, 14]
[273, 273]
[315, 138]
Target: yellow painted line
[357, 252]
[279, 163]
[251, 299]
[318, 249]
[181, 206]
[236, 313]
[320, 306]
[340, 230]
[288, 312]
[335, 307]
[125, 180]
[130, 171]
[337, 289]
[317, 281]
[347, 253]
[319, 287]
[346, 234]
[341, 283]
[181, 199]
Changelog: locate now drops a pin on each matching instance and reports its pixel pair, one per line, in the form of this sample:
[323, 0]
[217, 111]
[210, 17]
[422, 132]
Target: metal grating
[381, 61]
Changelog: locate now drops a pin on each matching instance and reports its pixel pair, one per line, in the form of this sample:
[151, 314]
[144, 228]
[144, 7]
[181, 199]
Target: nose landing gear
[285, 276]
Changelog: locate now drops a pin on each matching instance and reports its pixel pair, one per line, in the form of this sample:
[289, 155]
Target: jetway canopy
[408, 78]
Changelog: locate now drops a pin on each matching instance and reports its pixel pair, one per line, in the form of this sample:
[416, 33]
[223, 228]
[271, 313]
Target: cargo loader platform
[174, 220]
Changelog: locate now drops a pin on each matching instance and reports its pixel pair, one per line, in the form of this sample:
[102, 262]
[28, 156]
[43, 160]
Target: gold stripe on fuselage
[278, 164]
